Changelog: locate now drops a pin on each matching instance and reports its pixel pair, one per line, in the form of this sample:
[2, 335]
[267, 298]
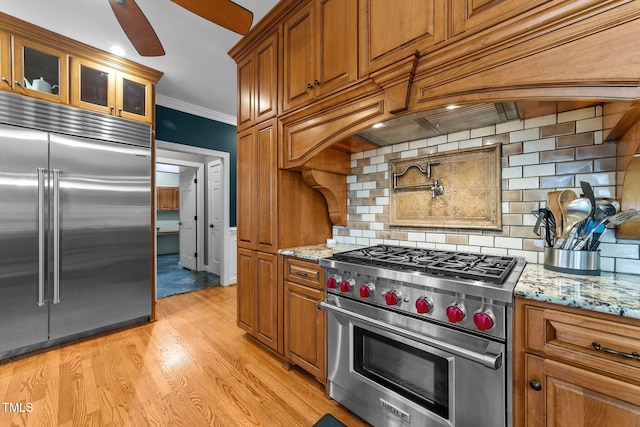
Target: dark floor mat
[328, 420]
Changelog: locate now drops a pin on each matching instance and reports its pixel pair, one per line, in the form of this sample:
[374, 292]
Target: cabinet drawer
[304, 272]
[611, 346]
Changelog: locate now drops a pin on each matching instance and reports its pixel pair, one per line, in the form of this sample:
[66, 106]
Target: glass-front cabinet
[5, 62]
[105, 90]
[40, 71]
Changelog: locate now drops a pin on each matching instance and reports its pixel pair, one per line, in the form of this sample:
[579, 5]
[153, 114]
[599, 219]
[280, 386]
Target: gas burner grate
[483, 267]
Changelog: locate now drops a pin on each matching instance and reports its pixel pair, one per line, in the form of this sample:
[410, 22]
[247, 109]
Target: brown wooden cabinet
[41, 64]
[6, 75]
[320, 50]
[258, 84]
[100, 88]
[40, 71]
[570, 368]
[471, 15]
[389, 31]
[168, 198]
[304, 322]
[257, 185]
[259, 296]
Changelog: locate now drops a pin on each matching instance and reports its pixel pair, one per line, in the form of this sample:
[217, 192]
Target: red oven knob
[483, 321]
[424, 305]
[366, 290]
[347, 285]
[391, 297]
[455, 313]
[332, 282]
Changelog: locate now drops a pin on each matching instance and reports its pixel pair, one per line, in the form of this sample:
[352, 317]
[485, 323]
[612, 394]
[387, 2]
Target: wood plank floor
[192, 367]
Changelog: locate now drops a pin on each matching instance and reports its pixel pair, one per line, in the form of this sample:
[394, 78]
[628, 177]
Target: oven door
[395, 370]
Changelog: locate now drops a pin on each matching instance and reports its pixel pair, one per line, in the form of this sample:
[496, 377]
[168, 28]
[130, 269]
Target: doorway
[213, 249]
[177, 230]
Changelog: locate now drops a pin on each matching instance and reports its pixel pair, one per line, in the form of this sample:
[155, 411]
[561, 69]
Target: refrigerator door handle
[56, 235]
[41, 232]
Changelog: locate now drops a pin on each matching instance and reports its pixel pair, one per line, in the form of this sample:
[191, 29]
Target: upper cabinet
[320, 50]
[258, 84]
[468, 14]
[40, 64]
[40, 71]
[5, 62]
[390, 32]
[103, 89]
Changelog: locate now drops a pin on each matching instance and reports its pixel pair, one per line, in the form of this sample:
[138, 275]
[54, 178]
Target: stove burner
[488, 268]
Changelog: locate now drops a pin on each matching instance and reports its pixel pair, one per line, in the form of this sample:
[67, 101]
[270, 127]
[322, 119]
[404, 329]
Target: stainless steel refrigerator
[75, 223]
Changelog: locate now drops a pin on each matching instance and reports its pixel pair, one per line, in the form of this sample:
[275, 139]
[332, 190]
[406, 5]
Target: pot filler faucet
[435, 186]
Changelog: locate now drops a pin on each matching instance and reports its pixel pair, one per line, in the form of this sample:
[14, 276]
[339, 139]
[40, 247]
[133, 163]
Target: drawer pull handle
[302, 273]
[535, 385]
[635, 355]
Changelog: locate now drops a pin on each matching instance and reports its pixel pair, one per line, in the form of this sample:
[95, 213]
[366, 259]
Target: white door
[188, 228]
[216, 212]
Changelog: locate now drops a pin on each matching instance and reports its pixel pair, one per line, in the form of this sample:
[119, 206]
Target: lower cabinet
[304, 322]
[259, 307]
[575, 368]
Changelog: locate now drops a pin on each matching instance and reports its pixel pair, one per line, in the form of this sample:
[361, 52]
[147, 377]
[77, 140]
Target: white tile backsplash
[525, 182]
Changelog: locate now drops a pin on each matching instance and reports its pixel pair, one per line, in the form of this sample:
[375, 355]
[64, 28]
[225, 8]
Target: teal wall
[188, 129]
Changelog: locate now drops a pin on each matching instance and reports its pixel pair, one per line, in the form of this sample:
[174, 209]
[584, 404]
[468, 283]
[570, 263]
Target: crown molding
[185, 107]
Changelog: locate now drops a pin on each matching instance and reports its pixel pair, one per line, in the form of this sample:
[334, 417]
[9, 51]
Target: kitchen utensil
[587, 191]
[553, 205]
[617, 219]
[544, 219]
[576, 212]
[564, 198]
[631, 199]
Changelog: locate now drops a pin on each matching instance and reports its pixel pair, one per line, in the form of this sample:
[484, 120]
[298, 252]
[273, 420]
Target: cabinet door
[258, 84]
[247, 291]
[390, 31]
[266, 90]
[267, 305]
[299, 58]
[560, 395]
[6, 82]
[477, 15]
[246, 189]
[267, 187]
[93, 86]
[337, 45]
[305, 328]
[134, 98]
[40, 71]
[246, 84]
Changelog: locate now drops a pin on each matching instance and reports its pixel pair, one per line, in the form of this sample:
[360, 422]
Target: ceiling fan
[225, 13]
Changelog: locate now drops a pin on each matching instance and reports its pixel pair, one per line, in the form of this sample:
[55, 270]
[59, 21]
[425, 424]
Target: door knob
[210, 225]
[535, 385]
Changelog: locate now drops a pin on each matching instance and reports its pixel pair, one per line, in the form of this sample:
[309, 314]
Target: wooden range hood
[555, 57]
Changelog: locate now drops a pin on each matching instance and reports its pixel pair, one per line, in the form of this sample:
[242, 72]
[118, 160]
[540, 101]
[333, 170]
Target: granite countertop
[611, 293]
[316, 252]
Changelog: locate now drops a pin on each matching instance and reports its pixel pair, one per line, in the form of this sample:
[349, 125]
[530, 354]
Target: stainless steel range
[420, 337]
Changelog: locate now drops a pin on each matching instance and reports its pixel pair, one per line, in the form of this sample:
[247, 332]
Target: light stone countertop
[316, 252]
[611, 293]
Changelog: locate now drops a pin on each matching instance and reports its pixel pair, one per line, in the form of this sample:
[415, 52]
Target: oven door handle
[488, 359]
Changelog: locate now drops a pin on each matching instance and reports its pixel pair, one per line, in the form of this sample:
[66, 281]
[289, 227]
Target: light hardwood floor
[192, 367]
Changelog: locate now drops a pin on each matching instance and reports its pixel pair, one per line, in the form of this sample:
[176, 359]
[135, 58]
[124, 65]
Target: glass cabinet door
[134, 98]
[5, 62]
[40, 71]
[92, 86]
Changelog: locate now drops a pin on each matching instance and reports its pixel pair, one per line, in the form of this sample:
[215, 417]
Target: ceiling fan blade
[137, 27]
[225, 13]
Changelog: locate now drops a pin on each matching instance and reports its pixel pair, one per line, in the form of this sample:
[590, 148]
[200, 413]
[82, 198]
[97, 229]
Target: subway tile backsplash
[539, 155]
